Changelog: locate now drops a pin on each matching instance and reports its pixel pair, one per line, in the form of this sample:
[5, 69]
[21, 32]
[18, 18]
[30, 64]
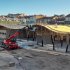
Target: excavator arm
[14, 35]
[9, 43]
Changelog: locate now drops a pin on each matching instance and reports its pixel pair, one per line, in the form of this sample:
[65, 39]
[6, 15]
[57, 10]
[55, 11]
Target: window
[2, 33]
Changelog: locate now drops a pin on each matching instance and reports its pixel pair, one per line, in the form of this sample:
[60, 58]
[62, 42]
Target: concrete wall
[3, 34]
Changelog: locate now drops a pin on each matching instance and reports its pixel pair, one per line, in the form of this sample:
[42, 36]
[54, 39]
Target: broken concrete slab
[8, 62]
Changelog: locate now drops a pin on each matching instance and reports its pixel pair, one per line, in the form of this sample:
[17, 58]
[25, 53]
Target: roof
[13, 26]
[44, 18]
[60, 19]
[68, 15]
[28, 16]
[62, 29]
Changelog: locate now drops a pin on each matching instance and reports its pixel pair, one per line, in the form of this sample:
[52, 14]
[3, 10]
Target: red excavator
[10, 43]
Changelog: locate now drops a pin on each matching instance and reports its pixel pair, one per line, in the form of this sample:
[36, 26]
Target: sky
[31, 7]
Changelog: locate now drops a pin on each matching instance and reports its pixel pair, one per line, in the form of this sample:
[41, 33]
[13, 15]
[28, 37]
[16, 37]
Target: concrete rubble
[8, 62]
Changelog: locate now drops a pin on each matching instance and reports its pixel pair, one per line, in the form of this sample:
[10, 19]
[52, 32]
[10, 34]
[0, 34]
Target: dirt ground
[37, 60]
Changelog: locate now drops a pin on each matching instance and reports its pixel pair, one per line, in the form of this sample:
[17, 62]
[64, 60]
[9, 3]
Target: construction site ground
[33, 59]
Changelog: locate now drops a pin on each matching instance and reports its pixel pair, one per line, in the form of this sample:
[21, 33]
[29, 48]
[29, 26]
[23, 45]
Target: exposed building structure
[53, 34]
[7, 29]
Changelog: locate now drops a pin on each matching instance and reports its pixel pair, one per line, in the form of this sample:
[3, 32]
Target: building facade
[44, 20]
[67, 19]
[6, 30]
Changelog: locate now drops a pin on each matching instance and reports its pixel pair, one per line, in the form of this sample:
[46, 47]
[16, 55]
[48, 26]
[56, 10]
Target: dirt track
[33, 60]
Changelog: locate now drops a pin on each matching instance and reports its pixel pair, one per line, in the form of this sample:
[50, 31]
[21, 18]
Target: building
[67, 19]
[57, 35]
[44, 20]
[39, 16]
[30, 19]
[59, 19]
[6, 30]
[15, 17]
[2, 18]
